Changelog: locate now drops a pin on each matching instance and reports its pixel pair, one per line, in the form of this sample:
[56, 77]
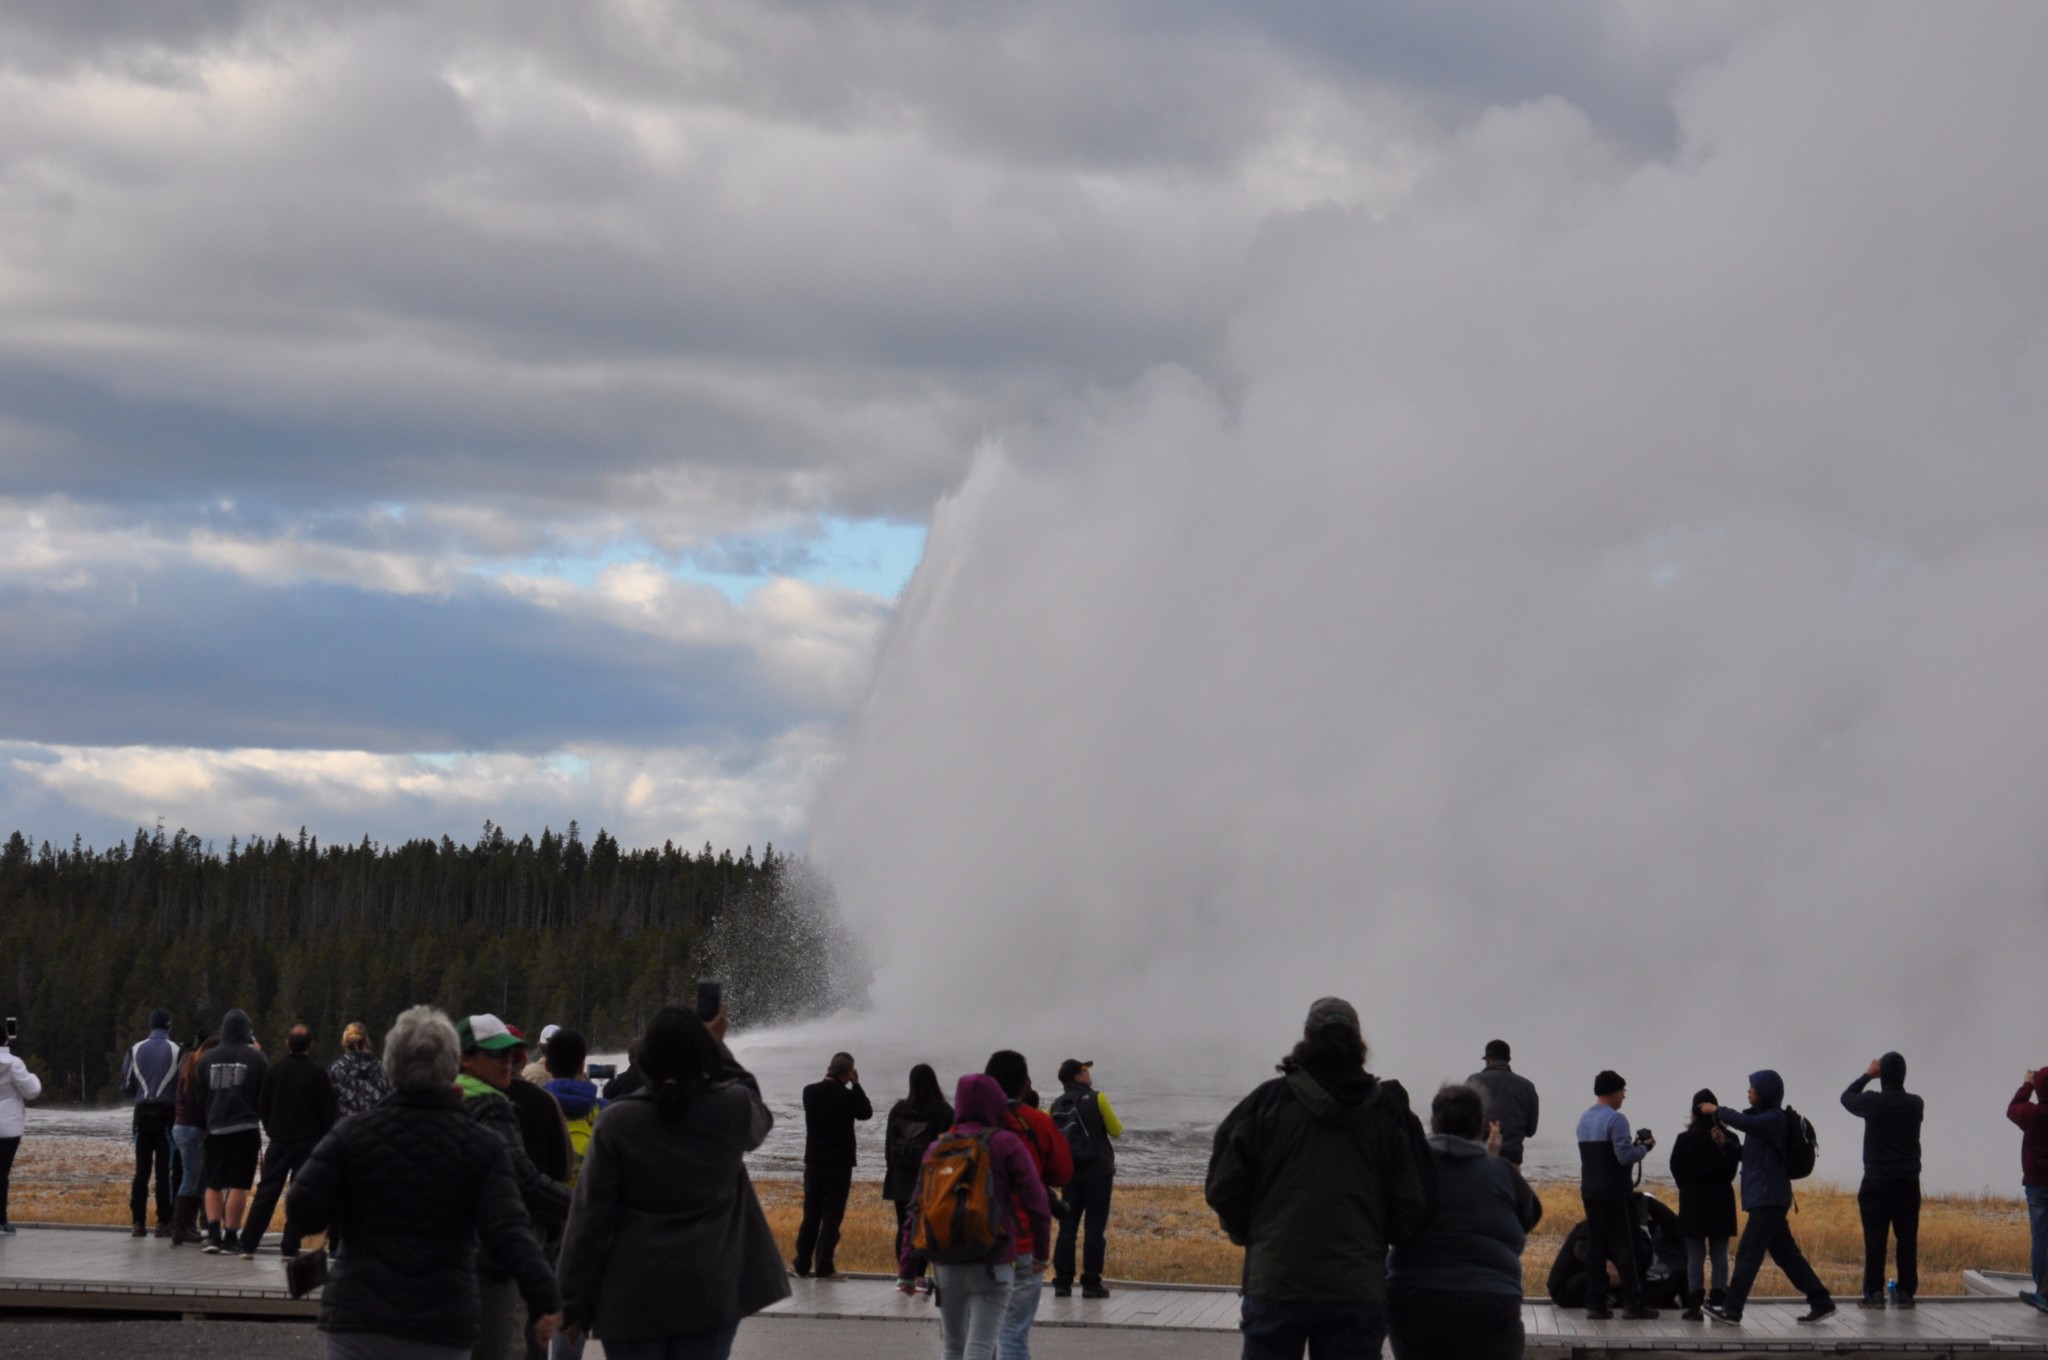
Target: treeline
[594, 937]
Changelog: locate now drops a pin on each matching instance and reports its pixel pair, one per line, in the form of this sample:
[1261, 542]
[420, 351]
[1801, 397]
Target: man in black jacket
[1315, 1174]
[1511, 1100]
[831, 1108]
[298, 1108]
[1889, 1198]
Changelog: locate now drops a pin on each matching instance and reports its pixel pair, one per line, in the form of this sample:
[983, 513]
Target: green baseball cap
[486, 1032]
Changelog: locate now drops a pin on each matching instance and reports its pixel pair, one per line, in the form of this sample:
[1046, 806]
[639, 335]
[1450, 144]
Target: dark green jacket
[1315, 1181]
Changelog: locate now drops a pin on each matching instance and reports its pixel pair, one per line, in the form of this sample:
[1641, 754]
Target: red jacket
[2032, 1118]
[1055, 1163]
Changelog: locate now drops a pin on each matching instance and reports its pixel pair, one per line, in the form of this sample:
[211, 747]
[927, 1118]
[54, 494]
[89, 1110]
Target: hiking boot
[163, 1227]
[1718, 1313]
[1820, 1312]
[1904, 1301]
[1599, 1314]
[139, 1230]
[1875, 1301]
[1094, 1291]
[1636, 1312]
[1062, 1289]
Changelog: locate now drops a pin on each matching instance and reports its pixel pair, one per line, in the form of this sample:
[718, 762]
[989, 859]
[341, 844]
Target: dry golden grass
[1165, 1232]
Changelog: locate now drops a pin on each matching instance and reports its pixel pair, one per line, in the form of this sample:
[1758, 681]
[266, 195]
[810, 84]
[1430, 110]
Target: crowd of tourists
[463, 1201]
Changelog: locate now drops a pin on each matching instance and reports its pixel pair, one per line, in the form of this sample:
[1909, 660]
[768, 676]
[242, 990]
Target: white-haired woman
[409, 1187]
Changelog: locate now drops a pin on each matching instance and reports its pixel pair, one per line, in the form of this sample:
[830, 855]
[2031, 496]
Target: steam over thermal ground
[1598, 601]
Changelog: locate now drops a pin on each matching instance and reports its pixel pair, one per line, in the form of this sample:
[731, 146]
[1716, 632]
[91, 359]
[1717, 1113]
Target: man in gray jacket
[1510, 1099]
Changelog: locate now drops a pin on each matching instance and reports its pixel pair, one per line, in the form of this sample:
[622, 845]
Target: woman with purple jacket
[973, 1296]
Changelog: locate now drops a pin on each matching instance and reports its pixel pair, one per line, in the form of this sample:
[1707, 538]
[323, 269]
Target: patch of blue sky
[874, 556]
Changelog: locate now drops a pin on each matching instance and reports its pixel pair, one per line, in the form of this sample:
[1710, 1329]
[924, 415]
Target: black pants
[280, 1160]
[1611, 1236]
[1767, 1232]
[1091, 1199]
[825, 1192]
[1440, 1324]
[152, 1130]
[8, 1147]
[918, 1264]
[1890, 1205]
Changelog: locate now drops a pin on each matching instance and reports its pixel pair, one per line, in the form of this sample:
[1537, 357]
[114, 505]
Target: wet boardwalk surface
[48, 1269]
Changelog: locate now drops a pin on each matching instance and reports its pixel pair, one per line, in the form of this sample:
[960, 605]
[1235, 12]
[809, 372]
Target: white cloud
[729, 797]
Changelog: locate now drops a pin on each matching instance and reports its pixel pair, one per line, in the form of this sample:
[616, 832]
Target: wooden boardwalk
[102, 1270]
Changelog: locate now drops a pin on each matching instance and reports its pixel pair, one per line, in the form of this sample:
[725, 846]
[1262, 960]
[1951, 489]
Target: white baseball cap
[548, 1032]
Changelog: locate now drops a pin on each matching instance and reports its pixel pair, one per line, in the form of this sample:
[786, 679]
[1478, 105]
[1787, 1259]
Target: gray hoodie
[232, 1078]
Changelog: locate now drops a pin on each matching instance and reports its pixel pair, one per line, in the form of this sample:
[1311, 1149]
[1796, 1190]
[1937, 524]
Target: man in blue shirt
[1607, 1151]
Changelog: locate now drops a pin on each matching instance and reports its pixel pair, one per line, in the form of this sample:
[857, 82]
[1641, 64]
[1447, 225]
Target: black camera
[1645, 1137]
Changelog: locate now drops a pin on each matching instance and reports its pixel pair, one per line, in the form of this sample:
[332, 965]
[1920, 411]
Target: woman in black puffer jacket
[409, 1187]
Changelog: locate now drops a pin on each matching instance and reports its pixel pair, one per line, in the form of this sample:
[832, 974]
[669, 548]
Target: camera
[1643, 1136]
[602, 1071]
[13, 1029]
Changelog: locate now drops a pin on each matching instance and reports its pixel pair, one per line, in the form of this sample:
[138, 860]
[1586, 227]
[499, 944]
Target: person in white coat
[18, 1086]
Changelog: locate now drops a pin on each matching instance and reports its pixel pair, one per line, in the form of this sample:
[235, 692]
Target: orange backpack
[963, 1215]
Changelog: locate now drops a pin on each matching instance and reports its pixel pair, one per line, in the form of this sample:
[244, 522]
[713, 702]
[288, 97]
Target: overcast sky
[412, 414]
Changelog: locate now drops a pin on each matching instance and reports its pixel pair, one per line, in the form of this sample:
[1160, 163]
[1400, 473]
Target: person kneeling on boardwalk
[1767, 1198]
[1315, 1174]
[972, 1181]
[1454, 1289]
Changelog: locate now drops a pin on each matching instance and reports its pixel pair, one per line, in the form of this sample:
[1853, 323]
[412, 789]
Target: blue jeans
[972, 1300]
[191, 1142]
[711, 1345]
[1281, 1329]
[2037, 1220]
[1025, 1287]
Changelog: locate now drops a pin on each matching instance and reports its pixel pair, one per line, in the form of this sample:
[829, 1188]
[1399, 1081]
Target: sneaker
[1638, 1313]
[248, 1256]
[828, 1275]
[1875, 1301]
[1717, 1313]
[1094, 1291]
[139, 1230]
[6, 1230]
[801, 1272]
[1820, 1312]
[1904, 1301]
[1691, 1314]
[1062, 1289]
[1599, 1314]
[924, 1284]
[905, 1285]
[2034, 1300]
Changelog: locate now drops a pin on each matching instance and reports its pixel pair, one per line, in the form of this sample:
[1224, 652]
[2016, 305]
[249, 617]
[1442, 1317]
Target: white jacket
[18, 1086]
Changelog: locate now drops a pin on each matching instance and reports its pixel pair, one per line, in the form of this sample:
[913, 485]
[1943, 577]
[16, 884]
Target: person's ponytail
[670, 1102]
[679, 1057]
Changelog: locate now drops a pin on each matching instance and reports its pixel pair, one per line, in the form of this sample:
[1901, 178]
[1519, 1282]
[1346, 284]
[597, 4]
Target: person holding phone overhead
[831, 1108]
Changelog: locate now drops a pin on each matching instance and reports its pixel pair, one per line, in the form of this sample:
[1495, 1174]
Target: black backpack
[1066, 1117]
[1802, 1145]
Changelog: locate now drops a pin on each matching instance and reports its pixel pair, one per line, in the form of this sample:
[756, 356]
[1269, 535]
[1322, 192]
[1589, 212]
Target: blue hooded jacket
[1765, 1182]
